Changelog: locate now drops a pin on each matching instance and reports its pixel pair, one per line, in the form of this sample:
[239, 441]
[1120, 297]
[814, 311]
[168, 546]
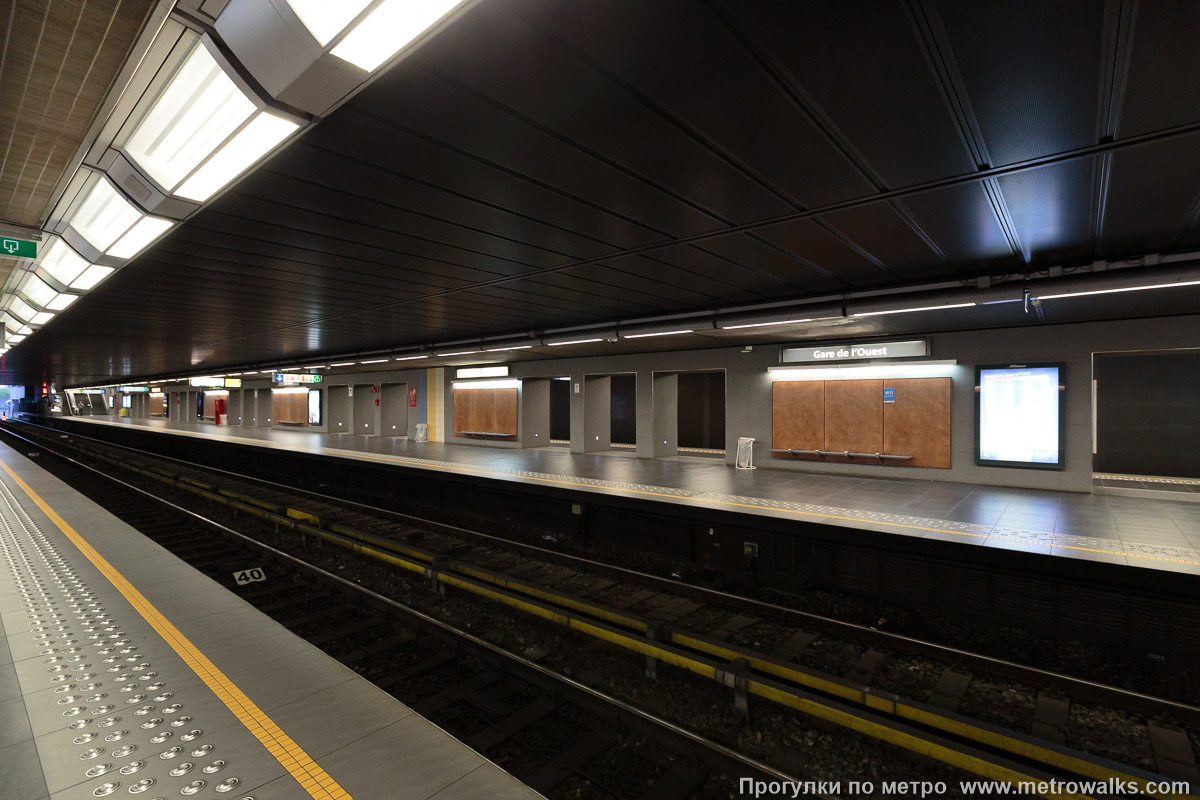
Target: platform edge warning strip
[315, 780]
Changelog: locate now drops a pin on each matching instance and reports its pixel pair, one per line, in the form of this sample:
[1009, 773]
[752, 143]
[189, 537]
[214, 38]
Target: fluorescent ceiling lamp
[573, 341]
[290, 369]
[1114, 291]
[62, 263]
[61, 301]
[325, 19]
[764, 324]
[20, 309]
[251, 143]
[104, 216]
[146, 231]
[502, 349]
[388, 28]
[37, 291]
[375, 361]
[18, 337]
[459, 353]
[482, 372]
[93, 275]
[510, 384]
[824, 372]
[197, 111]
[343, 364]
[909, 310]
[660, 333]
[41, 318]
[25, 330]
[410, 358]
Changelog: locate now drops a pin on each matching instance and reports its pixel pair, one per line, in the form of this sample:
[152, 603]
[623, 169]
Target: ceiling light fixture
[325, 19]
[62, 263]
[910, 310]
[375, 361]
[343, 364]
[573, 341]
[646, 335]
[459, 353]
[410, 358]
[390, 27]
[61, 301]
[91, 276]
[1114, 291]
[253, 142]
[503, 349]
[764, 324]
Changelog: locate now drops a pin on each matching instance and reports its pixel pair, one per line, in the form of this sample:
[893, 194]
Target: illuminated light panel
[482, 372]
[509, 384]
[25, 330]
[410, 358]
[503, 349]
[765, 324]
[42, 317]
[927, 369]
[61, 301]
[460, 353]
[389, 28]
[20, 309]
[375, 361]
[104, 216]
[910, 310]
[37, 291]
[647, 335]
[1115, 291]
[343, 364]
[197, 111]
[93, 275]
[573, 341]
[251, 143]
[143, 233]
[62, 263]
[17, 337]
[325, 19]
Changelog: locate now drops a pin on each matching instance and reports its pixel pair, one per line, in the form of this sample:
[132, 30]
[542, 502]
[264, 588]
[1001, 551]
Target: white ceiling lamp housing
[251, 143]
[139, 236]
[910, 310]
[325, 19]
[195, 113]
[112, 224]
[42, 317]
[389, 28]
[91, 276]
[61, 301]
[36, 291]
[61, 263]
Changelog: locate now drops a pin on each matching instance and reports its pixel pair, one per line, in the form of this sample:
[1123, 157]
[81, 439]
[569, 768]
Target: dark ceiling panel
[1031, 70]
[678, 56]
[1149, 209]
[963, 225]
[893, 115]
[607, 120]
[1051, 208]
[721, 291]
[419, 102]
[696, 259]
[744, 249]
[806, 239]
[881, 231]
[1165, 59]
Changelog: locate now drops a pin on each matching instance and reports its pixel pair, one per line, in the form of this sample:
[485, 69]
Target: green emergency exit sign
[18, 248]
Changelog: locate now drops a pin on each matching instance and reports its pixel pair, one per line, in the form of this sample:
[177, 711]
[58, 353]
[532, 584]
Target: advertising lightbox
[1019, 416]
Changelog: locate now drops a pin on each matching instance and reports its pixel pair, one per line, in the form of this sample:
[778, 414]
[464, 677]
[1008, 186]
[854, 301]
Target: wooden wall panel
[158, 405]
[918, 423]
[289, 408]
[854, 416]
[485, 410]
[464, 410]
[505, 405]
[797, 415]
[210, 404]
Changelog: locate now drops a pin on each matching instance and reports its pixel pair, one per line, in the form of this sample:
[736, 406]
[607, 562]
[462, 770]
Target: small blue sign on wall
[889, 394]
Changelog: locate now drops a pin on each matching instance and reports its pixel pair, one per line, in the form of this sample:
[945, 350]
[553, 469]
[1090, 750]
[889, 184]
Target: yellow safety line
[314, 779]
[479, 471]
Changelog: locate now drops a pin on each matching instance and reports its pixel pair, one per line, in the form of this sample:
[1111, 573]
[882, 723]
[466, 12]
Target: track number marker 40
[249, 576]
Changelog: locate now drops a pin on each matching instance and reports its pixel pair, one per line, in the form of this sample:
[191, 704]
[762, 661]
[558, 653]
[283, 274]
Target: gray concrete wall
[534, 413]
[597, 413]
[665, 415]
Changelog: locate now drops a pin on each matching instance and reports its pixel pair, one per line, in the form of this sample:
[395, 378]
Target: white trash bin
[422, 434]
[745, 453]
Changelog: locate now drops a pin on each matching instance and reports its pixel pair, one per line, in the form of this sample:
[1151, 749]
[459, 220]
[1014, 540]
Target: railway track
[757, 649]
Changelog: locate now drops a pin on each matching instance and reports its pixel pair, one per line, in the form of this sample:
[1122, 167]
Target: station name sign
[914, 348]
[130, 389]
[296, 377]
[233, 383]
[207, 382]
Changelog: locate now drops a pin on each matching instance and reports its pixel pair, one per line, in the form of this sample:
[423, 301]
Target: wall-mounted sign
[18, 248]
[92, 391]
[296, 377]
[207, 382]
[133, 389]
[889, 394]
[233, 383]
[155, 389]
[854, 352]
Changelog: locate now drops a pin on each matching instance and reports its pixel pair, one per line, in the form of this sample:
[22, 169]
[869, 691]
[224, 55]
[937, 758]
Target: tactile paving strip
[126, 724]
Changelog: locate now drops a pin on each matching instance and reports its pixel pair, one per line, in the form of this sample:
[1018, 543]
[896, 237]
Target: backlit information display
[1019, 420]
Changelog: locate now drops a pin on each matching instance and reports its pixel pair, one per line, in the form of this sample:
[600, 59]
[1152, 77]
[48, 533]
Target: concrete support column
[597, 413]
[645, 414]
[666, 415]
[577, 413]
[535, 413]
